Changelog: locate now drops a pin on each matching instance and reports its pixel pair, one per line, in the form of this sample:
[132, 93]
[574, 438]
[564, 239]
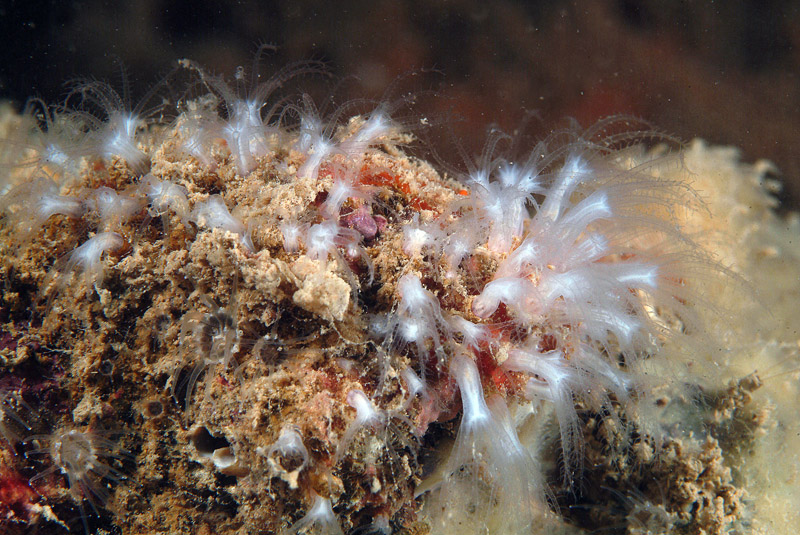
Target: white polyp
[637, 275]
[120, 139]
[473, 333]
[87, 257]
[574, 171]
[321, 240]
[50, 204]
[519, 260]
[460, 244]
[414, 384]
[367, 415]
[317, 153]
[411, 329]
[474, 408]
[291, 232]
[415, 238]
[290, 443]
[320, 516]
[412, 294]
[491, 482]
[165, 196]
[518, 293]
[113, 207]
[366, 412]
[593, 208]
[533, 363]
[214, 214]
[573, 286]
[378, 126]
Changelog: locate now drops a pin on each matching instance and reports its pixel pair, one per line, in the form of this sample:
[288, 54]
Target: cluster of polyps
[576, 257]
[538, 280]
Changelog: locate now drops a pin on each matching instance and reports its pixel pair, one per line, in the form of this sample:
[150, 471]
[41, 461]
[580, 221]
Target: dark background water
[724, 71]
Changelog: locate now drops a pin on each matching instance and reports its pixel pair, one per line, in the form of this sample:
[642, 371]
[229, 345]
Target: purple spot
[363, 221]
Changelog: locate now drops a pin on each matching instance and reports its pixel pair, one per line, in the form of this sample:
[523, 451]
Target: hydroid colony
[288, 325]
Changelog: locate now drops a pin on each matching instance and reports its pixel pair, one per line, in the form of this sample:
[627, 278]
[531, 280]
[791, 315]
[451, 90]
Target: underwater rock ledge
[232, 322]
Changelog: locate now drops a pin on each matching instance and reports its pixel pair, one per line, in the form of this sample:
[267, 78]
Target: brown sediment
[684, 483]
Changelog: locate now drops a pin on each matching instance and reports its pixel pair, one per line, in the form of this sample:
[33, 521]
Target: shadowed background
[727, 72]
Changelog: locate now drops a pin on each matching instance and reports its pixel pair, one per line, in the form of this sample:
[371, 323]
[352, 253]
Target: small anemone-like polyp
[287, 456]
[249, 131]
[10, 419]
[29, 205]
[367, 415]
[164, 197]
[48, 142]
[86, 261]
[417, 319]
[112, 122]
[213, 214]
[210, 342]
[491, 482]
[85, 458]
[320, 519]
